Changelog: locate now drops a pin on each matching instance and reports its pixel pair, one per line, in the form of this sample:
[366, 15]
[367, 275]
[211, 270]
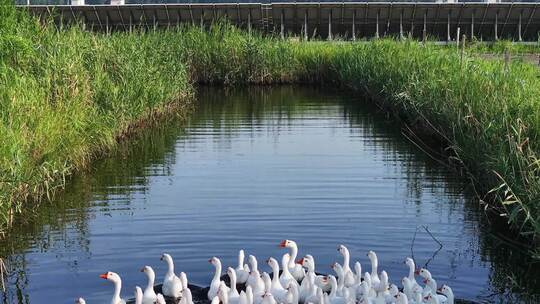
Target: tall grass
[67, 94]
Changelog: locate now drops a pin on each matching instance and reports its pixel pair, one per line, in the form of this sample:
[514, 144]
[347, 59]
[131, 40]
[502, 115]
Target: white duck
[172, 287]
[286, 277]
[115, 278]
[320, 281]
[375, 280]
[242, 270]
[138, 295]
[296, 270]
[277, 289]
[447, 291]
[149, 295]
[333, 296]
[348, 276]
[216, 280]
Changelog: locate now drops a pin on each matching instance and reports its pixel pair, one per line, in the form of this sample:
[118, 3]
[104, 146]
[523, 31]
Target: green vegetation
[68, 94]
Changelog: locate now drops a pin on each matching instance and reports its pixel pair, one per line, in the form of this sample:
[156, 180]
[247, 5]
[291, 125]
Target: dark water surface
[251, 167]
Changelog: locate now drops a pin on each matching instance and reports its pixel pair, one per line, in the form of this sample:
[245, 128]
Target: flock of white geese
[297, 282]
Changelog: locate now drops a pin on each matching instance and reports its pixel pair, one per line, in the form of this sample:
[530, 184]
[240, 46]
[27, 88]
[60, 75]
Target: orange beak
[283, 244]
[417, 272]
[103, 276]
[209, 260]
[300, 261]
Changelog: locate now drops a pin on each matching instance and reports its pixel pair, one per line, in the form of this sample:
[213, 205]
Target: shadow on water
[64, 229]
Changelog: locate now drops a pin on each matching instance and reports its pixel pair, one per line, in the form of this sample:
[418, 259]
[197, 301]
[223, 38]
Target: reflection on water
[251, 167]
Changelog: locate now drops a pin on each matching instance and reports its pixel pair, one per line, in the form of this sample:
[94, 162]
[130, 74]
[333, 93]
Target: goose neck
[217, 274]
[294, 253]
[241, 259]
[117, 289]
[170, 268]
[151, 278]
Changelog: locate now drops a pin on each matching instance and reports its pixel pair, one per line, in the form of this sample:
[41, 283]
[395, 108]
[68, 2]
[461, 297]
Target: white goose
[223, 294]
[80, 301]
[277, 289]
[268, 298]
[149, 295]
[371, 291]
[187, 297]
[286, 277]
[242, 270]
[115, 278]
[316, 298]
[307, 287]
[431, 285]
[320, 281]
[138, 295]
[267, 282]
[257, 286]
[172, 287]
[160, 299]
[412, 271]
[333, 296]
[338, 269]
[292, 296]
[375, 280]
[184, 280]
[447, 291]
[348, 276]
[253, 266]
[244, 299]
[233, 292]
[357, 273]
[401, 298]
[296, 270]
[186, 292]
[216, 280]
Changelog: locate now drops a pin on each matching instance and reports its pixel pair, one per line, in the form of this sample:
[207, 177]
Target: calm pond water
[251, 167]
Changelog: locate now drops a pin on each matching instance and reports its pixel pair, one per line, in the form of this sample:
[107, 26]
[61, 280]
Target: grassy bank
[68, 95]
